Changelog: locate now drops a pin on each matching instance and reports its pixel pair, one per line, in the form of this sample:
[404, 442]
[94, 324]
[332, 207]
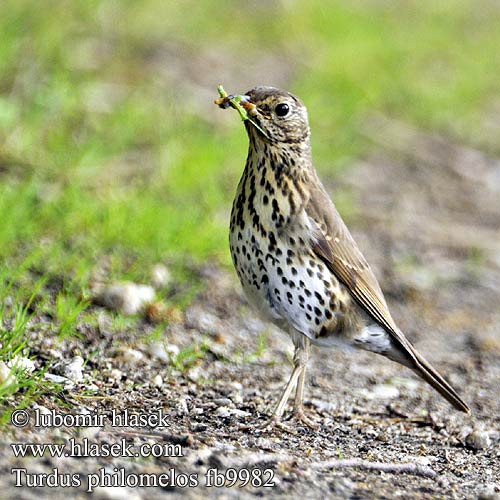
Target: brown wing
[334, 244]
[337, 248]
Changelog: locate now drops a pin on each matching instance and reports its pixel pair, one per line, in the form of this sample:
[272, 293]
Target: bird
[295, 257]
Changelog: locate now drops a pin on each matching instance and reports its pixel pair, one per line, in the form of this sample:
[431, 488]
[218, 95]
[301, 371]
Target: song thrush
[294, 255]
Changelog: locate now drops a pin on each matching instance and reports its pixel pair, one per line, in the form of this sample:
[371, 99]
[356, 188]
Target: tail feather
[432, 377]
[395, 346]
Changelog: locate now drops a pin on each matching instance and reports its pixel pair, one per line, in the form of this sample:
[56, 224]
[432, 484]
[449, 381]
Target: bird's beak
[249, 106]
[247, 110]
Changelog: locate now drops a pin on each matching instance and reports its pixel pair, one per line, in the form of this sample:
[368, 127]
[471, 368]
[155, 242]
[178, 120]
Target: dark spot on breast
[320, 298]
[271, 258]
[272, 238]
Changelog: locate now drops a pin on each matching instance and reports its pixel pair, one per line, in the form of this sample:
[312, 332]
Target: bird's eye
[282, 109]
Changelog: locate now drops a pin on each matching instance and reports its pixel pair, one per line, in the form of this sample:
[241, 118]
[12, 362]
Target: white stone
[58, 379]
[5, 374]
[381, 391]
[20, 363]
[160, 276]
[127, 298]
[132, 356]
[74, 369]
[478, 440]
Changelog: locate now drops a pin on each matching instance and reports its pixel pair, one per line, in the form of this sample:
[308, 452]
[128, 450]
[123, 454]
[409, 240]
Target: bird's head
[279, 115]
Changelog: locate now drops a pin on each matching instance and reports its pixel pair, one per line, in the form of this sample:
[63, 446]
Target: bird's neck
[283, 160]
[274, 183]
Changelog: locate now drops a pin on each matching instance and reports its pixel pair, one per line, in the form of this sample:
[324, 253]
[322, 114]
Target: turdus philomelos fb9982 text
[296, 259]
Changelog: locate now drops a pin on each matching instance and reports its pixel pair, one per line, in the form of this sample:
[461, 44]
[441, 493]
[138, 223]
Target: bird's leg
[302, 356]
[292, 382]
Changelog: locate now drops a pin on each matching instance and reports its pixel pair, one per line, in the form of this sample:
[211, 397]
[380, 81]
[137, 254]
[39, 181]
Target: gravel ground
[430, 227]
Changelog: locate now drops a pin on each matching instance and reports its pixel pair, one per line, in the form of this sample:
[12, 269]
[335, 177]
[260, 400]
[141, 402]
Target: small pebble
[115, 374]
[160, 276]
[224, 411]
[58, 379]
[132, 356]
[22, 364]
[324, 405]
[490, 491]
[157, 380]
[127, 298]
[182, 407]
[478, 440]
[164, 351]
[74, 369]
[115, 493]
[381, 391]
[223, 402]
[4, 372]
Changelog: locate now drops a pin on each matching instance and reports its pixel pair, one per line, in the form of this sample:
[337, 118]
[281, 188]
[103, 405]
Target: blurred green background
[110, 145]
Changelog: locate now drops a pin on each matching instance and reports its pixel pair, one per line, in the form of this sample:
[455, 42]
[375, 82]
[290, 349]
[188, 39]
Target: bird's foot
[299, 414]
[275, 422]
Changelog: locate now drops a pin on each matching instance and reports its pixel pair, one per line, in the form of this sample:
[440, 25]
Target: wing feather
[333, 243]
